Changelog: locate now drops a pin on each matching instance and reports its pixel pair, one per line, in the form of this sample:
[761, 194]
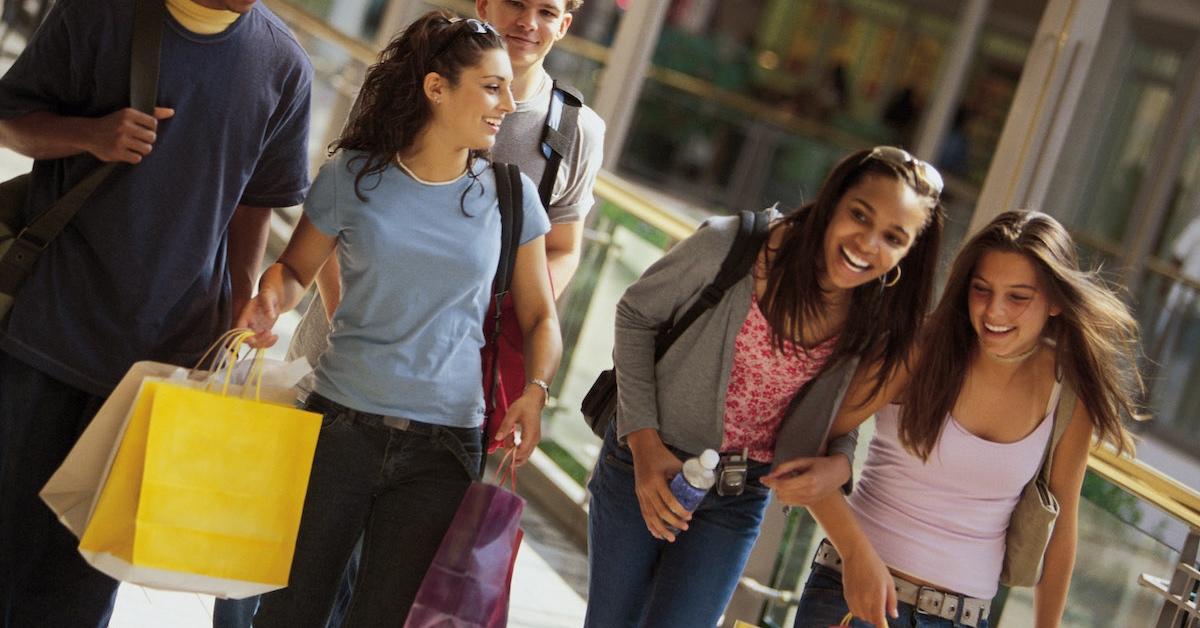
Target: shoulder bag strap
[558, 135]
[143, 83]
[752, 230]
[1062, 418]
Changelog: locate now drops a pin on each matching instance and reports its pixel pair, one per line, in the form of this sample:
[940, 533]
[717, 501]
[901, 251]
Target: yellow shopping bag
[204, 493]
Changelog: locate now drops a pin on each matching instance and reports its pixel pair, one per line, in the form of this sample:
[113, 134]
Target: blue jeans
[43, 579]
[823, 604]
[635, 579]
[398, 489]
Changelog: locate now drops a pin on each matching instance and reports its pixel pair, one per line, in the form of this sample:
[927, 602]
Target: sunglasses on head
[902, 160]
[469, 25]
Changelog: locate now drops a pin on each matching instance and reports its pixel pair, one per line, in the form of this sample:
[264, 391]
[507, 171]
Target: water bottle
[691, 484]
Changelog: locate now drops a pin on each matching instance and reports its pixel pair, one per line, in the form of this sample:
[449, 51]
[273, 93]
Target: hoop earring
[889, 284]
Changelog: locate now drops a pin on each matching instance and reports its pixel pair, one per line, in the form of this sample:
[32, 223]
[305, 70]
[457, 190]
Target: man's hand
[653, 466]
[126, 135]
[805, 481]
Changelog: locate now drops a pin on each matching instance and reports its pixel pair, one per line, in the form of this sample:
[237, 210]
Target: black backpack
[599, 405]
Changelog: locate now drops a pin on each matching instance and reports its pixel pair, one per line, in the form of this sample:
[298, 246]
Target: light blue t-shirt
[416, 280]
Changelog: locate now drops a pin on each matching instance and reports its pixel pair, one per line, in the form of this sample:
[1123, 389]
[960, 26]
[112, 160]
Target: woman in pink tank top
[960, 433]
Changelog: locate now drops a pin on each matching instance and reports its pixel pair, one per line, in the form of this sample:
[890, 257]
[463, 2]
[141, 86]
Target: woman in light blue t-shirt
[412, 208]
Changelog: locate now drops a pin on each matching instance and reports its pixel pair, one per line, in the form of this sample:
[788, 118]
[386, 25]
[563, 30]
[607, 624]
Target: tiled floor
[548, 584]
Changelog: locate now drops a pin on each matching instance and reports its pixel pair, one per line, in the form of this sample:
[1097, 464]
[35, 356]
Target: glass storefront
[751, 104]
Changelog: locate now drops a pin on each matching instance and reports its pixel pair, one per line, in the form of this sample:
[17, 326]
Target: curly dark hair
[392, 108]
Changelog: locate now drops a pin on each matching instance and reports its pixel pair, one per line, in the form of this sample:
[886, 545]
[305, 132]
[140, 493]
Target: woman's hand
[805, 481]
[653, 466]
[260, 315]
[869, 588]
[525, 415]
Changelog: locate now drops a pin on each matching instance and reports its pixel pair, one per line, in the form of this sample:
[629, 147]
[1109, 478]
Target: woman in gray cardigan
[845, 278]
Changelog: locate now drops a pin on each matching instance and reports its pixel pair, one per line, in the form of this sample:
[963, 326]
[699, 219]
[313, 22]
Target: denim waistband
[319, 401]
[464, 443]
[754, 468]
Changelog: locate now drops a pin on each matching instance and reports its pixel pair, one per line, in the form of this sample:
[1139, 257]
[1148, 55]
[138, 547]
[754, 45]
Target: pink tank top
[762, 382]
[944, 520]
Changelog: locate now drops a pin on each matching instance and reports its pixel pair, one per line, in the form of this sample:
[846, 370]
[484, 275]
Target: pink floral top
[762, 383]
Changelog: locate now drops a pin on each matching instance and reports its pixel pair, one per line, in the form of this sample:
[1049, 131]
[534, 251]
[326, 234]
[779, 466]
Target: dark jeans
[823, 604]
[43, 579]
[398, 489]
[635, 579]
[240, 613]
[346, 588]
[235, 613]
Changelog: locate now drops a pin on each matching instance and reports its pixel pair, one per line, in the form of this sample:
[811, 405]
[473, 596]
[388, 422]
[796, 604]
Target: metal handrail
[1140, 479]
[610, 188]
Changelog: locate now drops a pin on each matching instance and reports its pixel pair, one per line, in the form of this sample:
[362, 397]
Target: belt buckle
[397, 423]
[930, 601]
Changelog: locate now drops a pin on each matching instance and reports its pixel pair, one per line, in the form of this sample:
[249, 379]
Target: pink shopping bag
[467, 585]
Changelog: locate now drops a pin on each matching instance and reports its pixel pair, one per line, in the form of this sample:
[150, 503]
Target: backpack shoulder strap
[512, 218]
[752, 231]
[558, 136]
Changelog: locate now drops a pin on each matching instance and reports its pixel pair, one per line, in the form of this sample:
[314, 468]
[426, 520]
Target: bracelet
[540, 383]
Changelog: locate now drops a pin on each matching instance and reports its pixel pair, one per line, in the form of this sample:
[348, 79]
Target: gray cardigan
[683, 395]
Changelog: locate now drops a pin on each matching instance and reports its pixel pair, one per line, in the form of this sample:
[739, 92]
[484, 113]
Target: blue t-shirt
[417, 274]
[140, 272]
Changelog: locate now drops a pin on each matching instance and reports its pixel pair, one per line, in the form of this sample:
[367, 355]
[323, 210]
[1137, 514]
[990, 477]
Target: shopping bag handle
[220, 343]
[232, 342]
[509, 474]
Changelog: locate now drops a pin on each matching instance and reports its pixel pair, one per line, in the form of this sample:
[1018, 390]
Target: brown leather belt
[968, 611]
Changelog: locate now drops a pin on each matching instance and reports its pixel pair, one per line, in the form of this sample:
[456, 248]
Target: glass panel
[1169, 313]
[679, 141]
[618, 249]
[1185, 202]
[1111, 554]
[1124, 153]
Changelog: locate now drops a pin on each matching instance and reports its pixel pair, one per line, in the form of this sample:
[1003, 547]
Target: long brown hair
[1095, 336]
[883, 321]
[392, 107]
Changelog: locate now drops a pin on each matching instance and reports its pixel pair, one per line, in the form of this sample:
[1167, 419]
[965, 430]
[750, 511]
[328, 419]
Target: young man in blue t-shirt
[154, 263]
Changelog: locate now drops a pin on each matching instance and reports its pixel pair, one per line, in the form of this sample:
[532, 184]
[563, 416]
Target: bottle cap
[709, 459]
